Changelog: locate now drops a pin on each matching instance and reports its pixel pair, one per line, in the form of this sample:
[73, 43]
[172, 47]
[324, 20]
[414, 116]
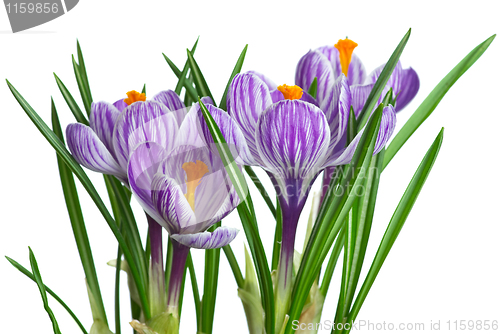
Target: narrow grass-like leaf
[313, 88]
[382, 81]
[236, 70]
[235, 267]
[366, 210]
[168, 262]
[66, 156]
[198, 78]
[181, 293]
[397, 221]
[247, 216]
[81, 86]
[188, 100]
[196, 292]
[190, 90]
[351, 229]
[43, 292]
[77, 221]
[130, 227]
[212, 260]
[332, 262]
[260, 187]
[83, 73]
[118, 329]
[52, 293]
[431, 102]
[73, 106]
[185, 70]
[335, 208]
[277, 236]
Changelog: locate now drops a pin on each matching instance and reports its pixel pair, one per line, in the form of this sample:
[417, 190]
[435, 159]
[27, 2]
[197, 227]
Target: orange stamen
[291, 92]
[345, 47]
[134, 96]
[194, 173]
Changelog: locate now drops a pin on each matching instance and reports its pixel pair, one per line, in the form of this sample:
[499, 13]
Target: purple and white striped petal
[276, 96]
[336, 108]
[120, 105]
[410, 85]
[387, 125]
[248, 97]
[222, 236]
[90, 151]
[141, 122]
[189, 130]
[356, 73]
[102, 120]
[315, 65]
[232, 134]
[171, 204]
[173, 102]
[394, 81]
[270, 84]
[231, 202]
[360, 94]
[292, 139]
[142, 167]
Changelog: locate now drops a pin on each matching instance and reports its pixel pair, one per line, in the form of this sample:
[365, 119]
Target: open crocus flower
[115, 131]
[327, 63]
[293, 140]
[106, 144]
[185, 190]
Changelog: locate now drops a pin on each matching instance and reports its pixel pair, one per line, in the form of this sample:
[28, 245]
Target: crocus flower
[115, 131]
[284, 132]
[186, 190]
[105, 145]
[327, 63]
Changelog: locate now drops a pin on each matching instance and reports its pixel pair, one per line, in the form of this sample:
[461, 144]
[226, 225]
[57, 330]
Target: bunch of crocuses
[184, 159]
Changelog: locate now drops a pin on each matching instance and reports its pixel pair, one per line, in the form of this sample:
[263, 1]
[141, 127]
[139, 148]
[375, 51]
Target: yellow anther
[194, 173]
[134, 96]
[345, 47]
[291, 92]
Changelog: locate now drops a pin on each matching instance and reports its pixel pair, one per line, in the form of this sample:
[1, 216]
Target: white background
[444, 265]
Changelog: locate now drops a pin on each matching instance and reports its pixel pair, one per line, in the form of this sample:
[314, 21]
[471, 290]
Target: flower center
[345, 47]
[291, 92]
[194, 173]
[134, 96]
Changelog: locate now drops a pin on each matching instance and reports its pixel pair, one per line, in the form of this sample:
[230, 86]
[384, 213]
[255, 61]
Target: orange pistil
[345, 47]
[291, 92]
[194, 173]
[134, 96]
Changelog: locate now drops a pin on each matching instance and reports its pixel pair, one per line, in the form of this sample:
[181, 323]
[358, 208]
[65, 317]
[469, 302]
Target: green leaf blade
[84, 76]
[212, 260]
[433, 99]
[198, 78]
[397, 221]
[73, 106]
[87, 102]
[49, 291]
[77, 221]
[43, 292]
[236, 70]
